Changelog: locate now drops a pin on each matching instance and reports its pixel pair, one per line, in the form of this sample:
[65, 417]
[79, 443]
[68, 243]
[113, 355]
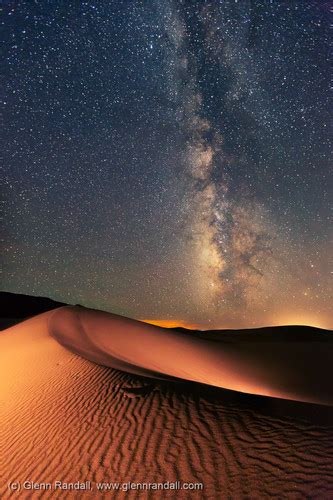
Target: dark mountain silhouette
[15, 307]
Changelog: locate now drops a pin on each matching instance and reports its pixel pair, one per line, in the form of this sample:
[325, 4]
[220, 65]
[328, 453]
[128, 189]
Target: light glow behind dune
[302, 320]
[170, 323]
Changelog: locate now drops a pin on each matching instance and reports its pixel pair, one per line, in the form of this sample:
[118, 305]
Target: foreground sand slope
[298, 370]
[63, 418]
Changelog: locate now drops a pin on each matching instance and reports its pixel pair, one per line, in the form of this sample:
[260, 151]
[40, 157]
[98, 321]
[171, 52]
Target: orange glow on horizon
[170, 323]
[287, 320]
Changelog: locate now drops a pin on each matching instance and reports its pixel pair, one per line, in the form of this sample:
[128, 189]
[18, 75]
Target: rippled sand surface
[65, 418]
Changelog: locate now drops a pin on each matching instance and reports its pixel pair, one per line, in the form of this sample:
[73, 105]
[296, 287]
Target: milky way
[170, 160]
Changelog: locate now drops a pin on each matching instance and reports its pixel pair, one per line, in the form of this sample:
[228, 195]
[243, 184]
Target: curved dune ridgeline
[271, 366]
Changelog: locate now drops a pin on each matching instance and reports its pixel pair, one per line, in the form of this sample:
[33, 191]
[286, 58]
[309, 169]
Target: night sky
[170, 160]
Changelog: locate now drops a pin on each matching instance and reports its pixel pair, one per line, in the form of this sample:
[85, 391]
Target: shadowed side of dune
[297, 370]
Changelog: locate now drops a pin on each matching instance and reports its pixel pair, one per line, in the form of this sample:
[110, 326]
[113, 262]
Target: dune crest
[296, 370]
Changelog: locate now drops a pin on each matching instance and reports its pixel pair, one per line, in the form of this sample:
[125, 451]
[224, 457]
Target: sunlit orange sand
[64, 418]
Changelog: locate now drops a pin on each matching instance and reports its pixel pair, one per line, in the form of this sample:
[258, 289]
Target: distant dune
[65, 418]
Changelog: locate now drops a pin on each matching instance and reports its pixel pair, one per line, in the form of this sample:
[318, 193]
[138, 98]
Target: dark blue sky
[170, 159]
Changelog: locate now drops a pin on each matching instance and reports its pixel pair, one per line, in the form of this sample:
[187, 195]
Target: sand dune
[299, 370]
[63, 418]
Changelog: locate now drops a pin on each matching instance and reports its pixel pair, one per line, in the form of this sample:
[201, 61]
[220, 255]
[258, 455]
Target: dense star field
[169, 160]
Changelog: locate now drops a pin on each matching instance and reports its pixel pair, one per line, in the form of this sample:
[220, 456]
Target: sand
[65, 418]
[271, 366]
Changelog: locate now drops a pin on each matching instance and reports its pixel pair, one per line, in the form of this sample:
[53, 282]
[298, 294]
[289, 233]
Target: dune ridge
[298, 369]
